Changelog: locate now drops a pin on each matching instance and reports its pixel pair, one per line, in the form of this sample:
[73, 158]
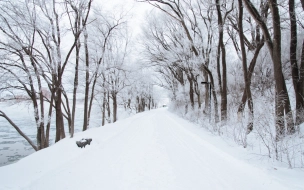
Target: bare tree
[20, 63]
[103, 31]
[78, 18]
[178, 13]
[38, 44]
[282, 104]
[295, 70]
[222, 51]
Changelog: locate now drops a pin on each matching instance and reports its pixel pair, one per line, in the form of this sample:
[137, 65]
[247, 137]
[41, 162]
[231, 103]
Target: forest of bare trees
[250, 52]
[58, 54]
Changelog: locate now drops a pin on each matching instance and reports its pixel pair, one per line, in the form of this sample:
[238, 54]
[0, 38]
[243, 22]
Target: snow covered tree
[36, 29]
[282, 104]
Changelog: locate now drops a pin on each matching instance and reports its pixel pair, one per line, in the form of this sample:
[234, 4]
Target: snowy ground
[151, 150]
[13, 147]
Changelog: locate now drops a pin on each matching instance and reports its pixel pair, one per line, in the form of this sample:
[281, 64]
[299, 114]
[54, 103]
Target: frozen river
[13, 146]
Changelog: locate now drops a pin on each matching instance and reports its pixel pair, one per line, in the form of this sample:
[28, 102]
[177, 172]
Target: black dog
[83, 142]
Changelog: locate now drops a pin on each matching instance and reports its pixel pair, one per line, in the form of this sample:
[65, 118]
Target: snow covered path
[152, 150]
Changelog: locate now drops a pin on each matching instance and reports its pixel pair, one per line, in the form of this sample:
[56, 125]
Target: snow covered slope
[151, 150]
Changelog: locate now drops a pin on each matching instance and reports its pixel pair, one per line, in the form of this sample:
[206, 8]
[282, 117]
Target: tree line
[190, 41]
[61, 52]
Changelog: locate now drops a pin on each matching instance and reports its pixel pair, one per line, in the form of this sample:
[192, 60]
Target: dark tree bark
[301, 78]
[250, 71]
[191, 90]
[294, 65]
[114, 98]
[282, 103]
[215, 106]
[222, 50]
[87, 82]
[218, 67]
[108, 107]
[137, 104]
[245, 71]
[282, 95]
[60, 133]
[143, 104]
[104, 101]
[104, 108]
[257, 44]
[77, 48]
[301, 81]
[197, 92]
[205, 74]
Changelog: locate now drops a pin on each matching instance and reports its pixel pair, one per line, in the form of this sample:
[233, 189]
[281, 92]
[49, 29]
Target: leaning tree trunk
[250, 71]
[2, 114]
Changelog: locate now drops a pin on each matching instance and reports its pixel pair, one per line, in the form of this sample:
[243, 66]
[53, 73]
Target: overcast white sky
[136, 9]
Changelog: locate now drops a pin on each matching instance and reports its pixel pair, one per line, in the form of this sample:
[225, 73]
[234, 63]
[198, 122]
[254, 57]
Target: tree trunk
[87, 82]
[104, 108]
[108, 107]
[91, 98]
[215, 103]
[129, 103]
[114, 97]
[143, 104]
[224, 69]
[250, 71]
[281, 94]
[198, 99]
[60, 133]
[2, 114]
[191, 91]
[75, 89]
[293, 63]
[206, 92]
[48, 126]
[301, 84]
[282, 100]
[300, 118]
[244, 61]
[137, 104]
[218, 67]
